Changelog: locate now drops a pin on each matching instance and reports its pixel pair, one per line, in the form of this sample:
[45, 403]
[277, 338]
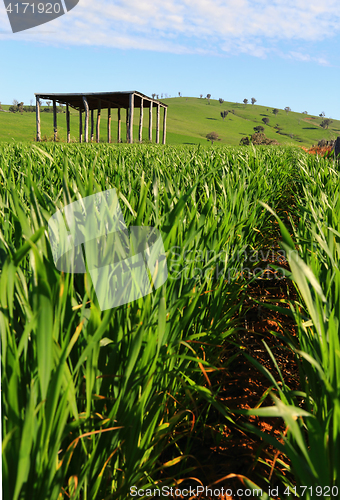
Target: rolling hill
[189, 120]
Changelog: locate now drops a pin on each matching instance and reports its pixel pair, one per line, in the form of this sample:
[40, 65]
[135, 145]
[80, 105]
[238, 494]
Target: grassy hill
[189, 121]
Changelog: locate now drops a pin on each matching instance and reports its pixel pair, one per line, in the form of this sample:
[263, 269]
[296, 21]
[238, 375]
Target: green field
[95, 402]
[189, 121]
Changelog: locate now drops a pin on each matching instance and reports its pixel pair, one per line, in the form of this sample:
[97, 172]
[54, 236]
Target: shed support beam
[119, 127]
[164, 125]
[150, 122]
[92, 124]
[157, 123]
[68, 123]
[127, 125]
[37, 111]
[109, 125]
[141, 121]
[131, 110]
[80, 125]
[86, 106]
[55, 129]
[98, 120]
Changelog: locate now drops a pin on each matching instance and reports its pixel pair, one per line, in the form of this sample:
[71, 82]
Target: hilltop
[189, 120]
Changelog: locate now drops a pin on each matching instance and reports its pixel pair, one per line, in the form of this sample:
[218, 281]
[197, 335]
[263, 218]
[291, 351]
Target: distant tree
[224, 114]
[253, 101]
[157, 97]
[212, 136]
[15, 106]
[208, 97]
[153, 96]
[325, 123]
[161, 96]
[275, 111]
[245, 101]
[259, 128]
[201, 95]
[0, 105]
[48, 103]
[305, 112]
[322, 114]
[287, 109]
[179, 94]
[265, 120]
[221, 101]
[21, 107]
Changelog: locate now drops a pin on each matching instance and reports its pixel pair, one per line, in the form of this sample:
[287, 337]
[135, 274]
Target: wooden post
[55, 129]
[132, 108]
[127, 125]
[86, 106]
[80, 125]
[37, 111]
[141, 121]
[336, 147]
[150, 122]
[119, 124]
[98, 120]
[109, 125]
[68, 123]
[164, 125]
[92, 124]
[157, 123]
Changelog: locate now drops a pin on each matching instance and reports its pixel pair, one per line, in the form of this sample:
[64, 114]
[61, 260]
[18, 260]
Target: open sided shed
[88, 103]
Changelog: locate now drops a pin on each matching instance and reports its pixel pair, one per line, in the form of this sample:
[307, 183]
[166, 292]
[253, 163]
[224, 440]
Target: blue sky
[283, 52]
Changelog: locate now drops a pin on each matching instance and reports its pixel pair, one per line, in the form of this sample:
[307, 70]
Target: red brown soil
[241, 453]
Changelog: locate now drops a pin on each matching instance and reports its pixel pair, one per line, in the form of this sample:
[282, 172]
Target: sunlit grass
[89, 397]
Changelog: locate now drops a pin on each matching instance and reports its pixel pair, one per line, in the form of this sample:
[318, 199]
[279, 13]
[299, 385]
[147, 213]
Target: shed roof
[108, 99]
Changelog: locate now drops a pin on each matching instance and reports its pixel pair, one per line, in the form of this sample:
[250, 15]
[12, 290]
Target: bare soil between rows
[241, 453]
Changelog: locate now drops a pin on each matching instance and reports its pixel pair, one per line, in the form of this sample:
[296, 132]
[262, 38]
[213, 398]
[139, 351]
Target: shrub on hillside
[323, 143]
[245, 141]
[258, 139]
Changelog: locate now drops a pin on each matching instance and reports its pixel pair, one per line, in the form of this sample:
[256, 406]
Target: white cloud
[190, 26]
[299, 56]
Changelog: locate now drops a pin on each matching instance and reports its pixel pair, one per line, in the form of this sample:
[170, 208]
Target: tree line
[19, 107]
